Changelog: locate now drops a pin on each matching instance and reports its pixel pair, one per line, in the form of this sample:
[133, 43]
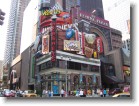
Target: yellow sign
[71, 45]
[50, 12]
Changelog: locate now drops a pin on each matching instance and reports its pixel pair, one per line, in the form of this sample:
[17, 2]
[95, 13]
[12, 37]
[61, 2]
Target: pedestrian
[62, 93]
[77, 93]
[43, 93]
[81, 93]
[101, 93]
[104, 92]
[49, 93]
[46, 93]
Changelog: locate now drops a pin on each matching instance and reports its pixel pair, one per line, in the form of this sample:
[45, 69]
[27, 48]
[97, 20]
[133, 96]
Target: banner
[53, 42]
[94, 78]
[81, 78]
[99, 45]
[80, 37]
[71, 45]
[45, 44]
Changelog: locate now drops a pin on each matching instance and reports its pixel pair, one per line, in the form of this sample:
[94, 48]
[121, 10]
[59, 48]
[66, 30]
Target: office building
[118, 14]
[14, 31]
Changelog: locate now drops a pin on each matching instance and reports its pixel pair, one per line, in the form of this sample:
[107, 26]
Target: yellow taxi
[123, 94]
[29, 93]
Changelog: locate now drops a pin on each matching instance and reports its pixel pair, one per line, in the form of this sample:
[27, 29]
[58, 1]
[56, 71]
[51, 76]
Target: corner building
[76, 59]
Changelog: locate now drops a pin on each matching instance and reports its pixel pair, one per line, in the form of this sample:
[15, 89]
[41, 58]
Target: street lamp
[66, 59]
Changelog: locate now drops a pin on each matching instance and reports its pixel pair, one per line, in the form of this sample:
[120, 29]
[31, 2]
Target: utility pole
[2, 14]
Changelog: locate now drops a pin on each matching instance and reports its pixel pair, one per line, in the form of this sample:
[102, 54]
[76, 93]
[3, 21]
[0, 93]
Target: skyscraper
[87, 6]
[13, 39]
[118, 14]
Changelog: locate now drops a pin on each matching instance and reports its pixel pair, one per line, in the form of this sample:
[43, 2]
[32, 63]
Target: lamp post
[66, 59]
[66, 77]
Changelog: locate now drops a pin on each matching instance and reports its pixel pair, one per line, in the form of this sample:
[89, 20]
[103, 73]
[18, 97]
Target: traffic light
[1, 17]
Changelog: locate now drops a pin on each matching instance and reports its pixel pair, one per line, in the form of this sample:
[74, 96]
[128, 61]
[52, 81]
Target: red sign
[99, 45]
[53, 43]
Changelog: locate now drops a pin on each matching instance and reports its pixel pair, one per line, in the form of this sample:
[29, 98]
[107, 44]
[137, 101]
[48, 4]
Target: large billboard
[71, 45]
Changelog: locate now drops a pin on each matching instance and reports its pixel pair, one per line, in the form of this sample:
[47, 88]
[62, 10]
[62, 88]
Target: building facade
[121, 7]
[1, 69]
[60, 65]
[14, 31]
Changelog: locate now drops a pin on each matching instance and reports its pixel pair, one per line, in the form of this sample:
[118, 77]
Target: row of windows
[70, 65]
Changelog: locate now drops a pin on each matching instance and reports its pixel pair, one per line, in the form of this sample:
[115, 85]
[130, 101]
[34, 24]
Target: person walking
[62, 93]
[43, 93]
[101, 93]
[104, 92]
[81, 93]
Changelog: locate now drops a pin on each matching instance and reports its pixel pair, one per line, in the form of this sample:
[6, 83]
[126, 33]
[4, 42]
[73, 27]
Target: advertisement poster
[71, 45]
[99, 45]
[45, 44]
[80, 37]
[88, 52]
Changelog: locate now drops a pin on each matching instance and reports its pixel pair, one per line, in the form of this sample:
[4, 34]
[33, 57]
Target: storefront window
[94, 68]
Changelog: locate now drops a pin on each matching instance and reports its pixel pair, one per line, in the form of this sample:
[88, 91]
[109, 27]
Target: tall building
[30, 19]
[118, 14]
[87, 6]
[1, 69]
[13, 40]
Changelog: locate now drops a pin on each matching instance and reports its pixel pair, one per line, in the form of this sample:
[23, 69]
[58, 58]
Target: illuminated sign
[99, 45]
[71, 45]
[50, 12]
[94, 19]
[53, 43]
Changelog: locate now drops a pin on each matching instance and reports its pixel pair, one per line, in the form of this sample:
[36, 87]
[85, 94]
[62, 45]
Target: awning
[112, 79]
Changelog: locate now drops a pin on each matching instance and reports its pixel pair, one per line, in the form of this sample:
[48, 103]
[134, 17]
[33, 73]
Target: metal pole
[66, 78]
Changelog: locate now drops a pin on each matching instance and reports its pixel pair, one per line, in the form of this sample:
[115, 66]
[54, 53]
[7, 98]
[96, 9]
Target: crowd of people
[77, 93]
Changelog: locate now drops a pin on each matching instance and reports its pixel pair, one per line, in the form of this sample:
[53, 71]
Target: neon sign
[50, 12]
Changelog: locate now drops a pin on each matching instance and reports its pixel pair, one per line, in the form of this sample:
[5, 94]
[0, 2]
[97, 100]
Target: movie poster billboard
[45, 44]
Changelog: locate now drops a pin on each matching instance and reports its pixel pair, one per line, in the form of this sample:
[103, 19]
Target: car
[124, 94]
[8, 93]
[115, 91]
[29, 93]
